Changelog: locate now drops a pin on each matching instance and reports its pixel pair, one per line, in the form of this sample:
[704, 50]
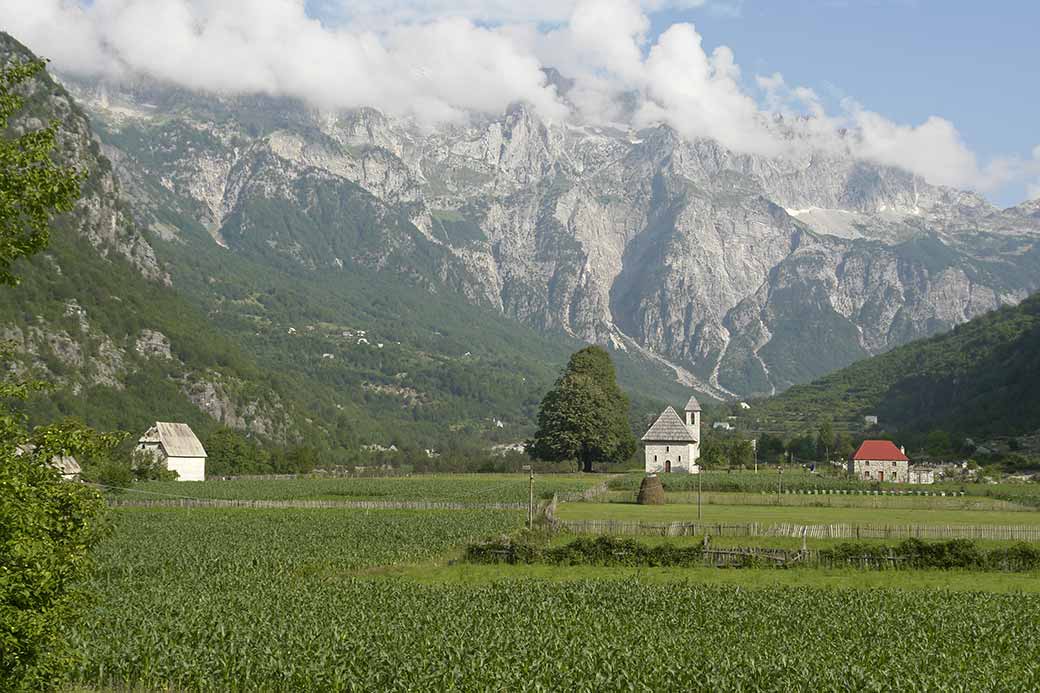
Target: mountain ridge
[701, 255]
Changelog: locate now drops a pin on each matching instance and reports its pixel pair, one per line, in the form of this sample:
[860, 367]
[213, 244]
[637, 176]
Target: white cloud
[933, 149]
[435, 71]
[700, 95]
[383, 13]
[441, 60]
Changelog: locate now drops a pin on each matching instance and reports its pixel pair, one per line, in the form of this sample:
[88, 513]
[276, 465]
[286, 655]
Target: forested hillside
[980, 380]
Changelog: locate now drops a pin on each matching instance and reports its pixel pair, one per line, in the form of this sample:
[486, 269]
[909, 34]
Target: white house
[922, 475]
[673, 445]
[177, 445]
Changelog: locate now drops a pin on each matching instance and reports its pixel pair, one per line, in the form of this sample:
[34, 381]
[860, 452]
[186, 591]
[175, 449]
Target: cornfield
[485, 488]
[226, 600]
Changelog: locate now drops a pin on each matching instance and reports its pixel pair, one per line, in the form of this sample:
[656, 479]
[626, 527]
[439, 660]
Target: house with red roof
[880, 460]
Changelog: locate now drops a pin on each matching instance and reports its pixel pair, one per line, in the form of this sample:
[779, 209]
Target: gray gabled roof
[669, 428]
[692, 404]
[66, 464]
[177, 439]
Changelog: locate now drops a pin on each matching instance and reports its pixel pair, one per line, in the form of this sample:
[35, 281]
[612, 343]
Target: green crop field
[739, 514]
[796, 479]
[463, 488]
[291, 600]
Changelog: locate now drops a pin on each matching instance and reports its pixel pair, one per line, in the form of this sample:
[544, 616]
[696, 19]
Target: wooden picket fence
[831, 531]
[358, 504]
[590, 493]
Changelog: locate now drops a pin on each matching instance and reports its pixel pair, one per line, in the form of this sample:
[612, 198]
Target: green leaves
[585, 416]
[48, 528]
[33, 188]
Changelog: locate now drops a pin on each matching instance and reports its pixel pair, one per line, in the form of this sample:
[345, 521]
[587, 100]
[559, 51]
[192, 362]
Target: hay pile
[651, 492]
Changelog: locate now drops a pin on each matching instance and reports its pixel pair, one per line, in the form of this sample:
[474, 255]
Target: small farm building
[922, 475]
[880, 460]
[673, 445]
[66, 464]
[177, 445]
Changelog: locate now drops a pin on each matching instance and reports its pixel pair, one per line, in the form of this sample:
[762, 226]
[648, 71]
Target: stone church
[674, 445]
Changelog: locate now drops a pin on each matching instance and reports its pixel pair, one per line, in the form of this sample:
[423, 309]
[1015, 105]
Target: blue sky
[974, 63]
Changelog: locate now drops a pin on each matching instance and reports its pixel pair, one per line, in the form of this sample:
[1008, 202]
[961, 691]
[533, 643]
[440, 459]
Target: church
[674, 445]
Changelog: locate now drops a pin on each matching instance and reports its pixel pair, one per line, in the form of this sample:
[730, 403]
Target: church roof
[692, 404]
[669, 428]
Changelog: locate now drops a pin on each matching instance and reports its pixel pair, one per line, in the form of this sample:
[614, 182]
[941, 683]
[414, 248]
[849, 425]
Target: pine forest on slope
[981, 379]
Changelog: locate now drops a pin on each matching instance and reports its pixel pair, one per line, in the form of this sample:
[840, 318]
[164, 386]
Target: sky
[943, 88]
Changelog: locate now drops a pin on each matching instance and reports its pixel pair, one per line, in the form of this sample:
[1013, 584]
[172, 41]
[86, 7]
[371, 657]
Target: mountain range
[286, 243]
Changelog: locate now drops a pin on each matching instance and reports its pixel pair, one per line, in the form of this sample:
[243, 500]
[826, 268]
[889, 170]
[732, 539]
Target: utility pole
[754, 446]
[779, 482]
[530, 496]
[699, 473]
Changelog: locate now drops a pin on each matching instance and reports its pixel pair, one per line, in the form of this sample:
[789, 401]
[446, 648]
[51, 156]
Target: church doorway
[667, 466]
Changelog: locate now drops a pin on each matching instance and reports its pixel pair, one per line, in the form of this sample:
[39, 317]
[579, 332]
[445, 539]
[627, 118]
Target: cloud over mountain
[442, 61]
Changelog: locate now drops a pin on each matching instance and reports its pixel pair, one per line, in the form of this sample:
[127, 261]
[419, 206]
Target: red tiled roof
[880, 450]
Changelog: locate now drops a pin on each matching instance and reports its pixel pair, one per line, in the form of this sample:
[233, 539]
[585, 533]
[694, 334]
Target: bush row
[600, 551]
[615, 551]
[914, 553]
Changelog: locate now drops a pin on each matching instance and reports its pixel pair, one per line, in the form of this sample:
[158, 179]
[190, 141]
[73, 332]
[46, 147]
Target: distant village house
[880, 460]
[673, 445]
[176, 445]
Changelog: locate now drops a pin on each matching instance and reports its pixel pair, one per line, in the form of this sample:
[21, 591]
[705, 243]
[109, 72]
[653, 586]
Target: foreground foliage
[47, 527]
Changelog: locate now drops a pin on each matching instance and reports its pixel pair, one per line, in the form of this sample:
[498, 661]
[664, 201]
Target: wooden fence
[909, 501]
[590, 493]
[834, 531]
[358, 504]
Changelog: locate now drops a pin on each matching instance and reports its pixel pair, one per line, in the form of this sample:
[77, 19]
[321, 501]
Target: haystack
[651, 492]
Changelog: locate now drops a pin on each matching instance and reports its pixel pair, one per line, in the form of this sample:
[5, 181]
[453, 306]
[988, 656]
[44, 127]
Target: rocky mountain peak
[747, 272]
